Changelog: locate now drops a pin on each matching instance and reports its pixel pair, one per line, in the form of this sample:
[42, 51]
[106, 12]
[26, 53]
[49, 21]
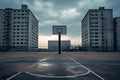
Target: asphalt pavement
[55, 66]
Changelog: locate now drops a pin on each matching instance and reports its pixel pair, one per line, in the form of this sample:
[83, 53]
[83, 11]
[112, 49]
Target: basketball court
[56, 67]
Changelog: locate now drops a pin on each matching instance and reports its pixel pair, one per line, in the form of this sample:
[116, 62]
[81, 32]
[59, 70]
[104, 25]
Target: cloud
[91, 3]
[114, 4]
[46, 9]
[52, 22]
[70, 13]
[43, 41]
[76, 40]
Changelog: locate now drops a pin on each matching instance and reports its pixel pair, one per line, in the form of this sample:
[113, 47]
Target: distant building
[117, 33]
[53, 45]
[97, 30]
[18, 29]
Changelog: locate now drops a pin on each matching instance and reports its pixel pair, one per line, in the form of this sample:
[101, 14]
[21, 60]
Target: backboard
[59, 28]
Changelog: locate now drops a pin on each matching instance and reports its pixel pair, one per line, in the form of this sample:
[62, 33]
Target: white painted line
[13, 76]
[51, 76]
[32, 65]
[86, 68]
[47, 76]
[28, 67]
[105, 63]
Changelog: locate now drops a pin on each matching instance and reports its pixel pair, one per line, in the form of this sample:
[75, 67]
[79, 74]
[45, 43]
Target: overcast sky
[67, 12]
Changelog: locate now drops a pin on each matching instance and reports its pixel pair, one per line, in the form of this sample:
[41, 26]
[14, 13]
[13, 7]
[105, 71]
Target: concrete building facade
[53, 45]
[97, 30]
[18, 29]
[117, 33]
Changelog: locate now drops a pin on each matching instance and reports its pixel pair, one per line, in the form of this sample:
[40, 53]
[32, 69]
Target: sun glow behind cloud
[43, 40]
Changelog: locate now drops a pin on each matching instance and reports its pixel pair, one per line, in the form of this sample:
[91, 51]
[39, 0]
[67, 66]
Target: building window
[18, 22]
[14, 25]
[96, 39]
[96, 14]
[22, 10]
[17, 32]
[18, 17]
[96, 32]
[18, 26]
[4, 22]
[92, 26]
[14, 17]
[92, 14]
[3, 43]
[96, 29]
[96, 26]
[18, 29]
[96, 22]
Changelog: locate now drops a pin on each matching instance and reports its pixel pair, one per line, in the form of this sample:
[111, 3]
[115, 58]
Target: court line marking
[86, 68]
[100, 63]
[56, 76]
[28, 68]
[53, 76]
[66, 56]
[13, 76]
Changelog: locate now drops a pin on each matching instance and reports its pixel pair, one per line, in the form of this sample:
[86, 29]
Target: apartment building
[97, 30]
[117, 33]
[18, 29]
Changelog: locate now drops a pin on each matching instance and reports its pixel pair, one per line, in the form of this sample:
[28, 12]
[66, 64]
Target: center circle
[58, 70]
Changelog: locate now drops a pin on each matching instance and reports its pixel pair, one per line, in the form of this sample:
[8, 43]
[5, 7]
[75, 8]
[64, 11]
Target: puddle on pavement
[57, 66]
